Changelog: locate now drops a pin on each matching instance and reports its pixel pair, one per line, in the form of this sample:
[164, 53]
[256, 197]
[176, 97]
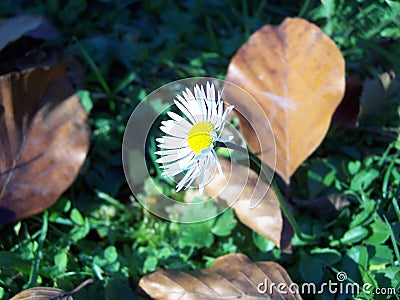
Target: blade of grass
[304, 8]
[396, 207]
[228, 24]
[259, 10]
[212, 35]
[92, 66]
[385, 155]
[110, 199]
[386, 54]
[39, 254]
[245, 19]
[386, 177]
[281, 11]
[393, 238]
[125, 82]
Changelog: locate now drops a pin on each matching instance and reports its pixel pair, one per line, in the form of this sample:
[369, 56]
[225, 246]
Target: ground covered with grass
[128, 49]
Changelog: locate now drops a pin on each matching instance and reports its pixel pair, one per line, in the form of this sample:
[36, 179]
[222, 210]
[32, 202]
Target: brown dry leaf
[44, 139]
[231, 276]
[34, 26]
[348, 110]
[297, 75]
[324, 206]
[41, 293]
[376, 91]
[22, 43]
[241, 184]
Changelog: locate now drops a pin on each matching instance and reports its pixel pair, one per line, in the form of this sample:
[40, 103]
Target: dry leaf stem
[39, 254]
[258, 166]
[77, 289]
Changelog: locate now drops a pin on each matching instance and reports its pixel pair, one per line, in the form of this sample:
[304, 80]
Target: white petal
[227, 111]
[220, 109]
[210, 91]
[192, 106]
[179, 166]
[172, 151]
[183, 107]
[220, 94]
[216, 121]
[209, 105]
[172, 142]
[184, 125]
[174, 132]
[212, 106]
[225, 139]
[188, 177]
[173, 172]
[188, 95]
[204, 173]
[172, 146]
[200, 97]
[173, 157]
[177, 118]
[193, 177]
[217, 162]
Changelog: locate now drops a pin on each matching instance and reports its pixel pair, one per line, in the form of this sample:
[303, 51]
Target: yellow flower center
[199, 137]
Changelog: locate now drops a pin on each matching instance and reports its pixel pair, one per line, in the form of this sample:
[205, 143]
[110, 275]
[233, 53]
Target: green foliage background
[129, 48]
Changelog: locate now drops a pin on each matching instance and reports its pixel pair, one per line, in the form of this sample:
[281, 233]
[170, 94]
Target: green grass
[128, 49]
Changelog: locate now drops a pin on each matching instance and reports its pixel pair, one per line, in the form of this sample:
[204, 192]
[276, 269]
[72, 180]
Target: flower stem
[257, 165]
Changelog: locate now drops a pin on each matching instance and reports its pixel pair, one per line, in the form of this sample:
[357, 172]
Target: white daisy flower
[188, 145]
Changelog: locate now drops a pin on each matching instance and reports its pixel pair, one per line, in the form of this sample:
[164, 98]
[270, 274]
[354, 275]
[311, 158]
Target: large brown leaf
[347, 112]
[46, 293]
[44, 139]
[324, 206]
[296, 74]
[42, 293]
[23, 46]
[239, 186]
[376, 92]
[231, 276]
[33, 26]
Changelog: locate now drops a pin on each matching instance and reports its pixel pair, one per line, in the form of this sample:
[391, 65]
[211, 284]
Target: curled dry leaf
[44, 139]
[23, 46]
[348, 110]
[42, 293]
[33, 26]
[231, 276]
[297, 75]
[324, 206]
[238, 186]
[376, 91]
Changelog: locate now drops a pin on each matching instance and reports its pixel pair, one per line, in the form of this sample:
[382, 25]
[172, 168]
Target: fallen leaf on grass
[231, 276]
[325, 205]
[239, 186]
[41, 293]
[44, 139]
[33, 26]
[297, 75]
[376, 91]
[348, 110]
[24, 43]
